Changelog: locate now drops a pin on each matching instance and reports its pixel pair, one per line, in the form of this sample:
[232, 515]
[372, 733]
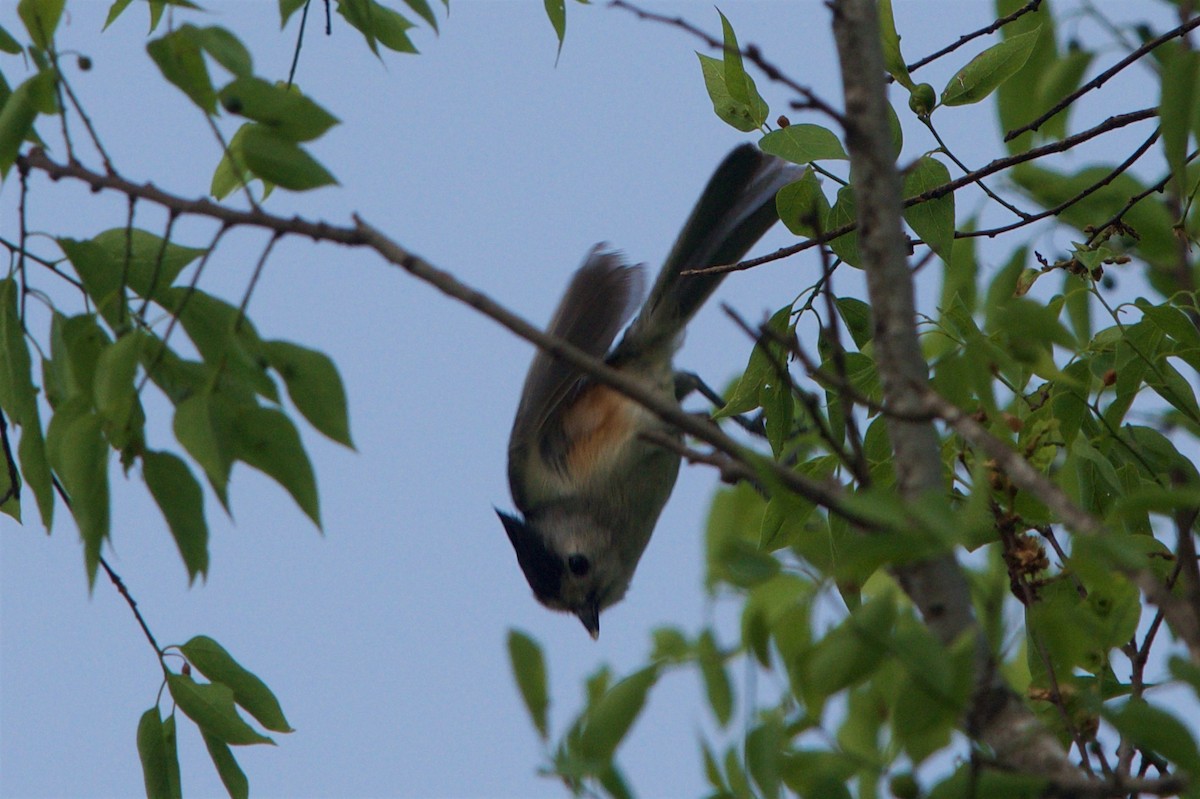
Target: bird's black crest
[543, 569]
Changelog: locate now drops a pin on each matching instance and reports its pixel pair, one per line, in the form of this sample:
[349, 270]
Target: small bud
[232, 104]
[1110, 377]
[783, 121]
[84, 63]
[187, 669]
[1014, 423]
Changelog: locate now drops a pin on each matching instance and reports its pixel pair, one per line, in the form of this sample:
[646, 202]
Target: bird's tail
[735, 210]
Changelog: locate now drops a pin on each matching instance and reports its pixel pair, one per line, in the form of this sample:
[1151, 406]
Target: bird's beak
[590, 616]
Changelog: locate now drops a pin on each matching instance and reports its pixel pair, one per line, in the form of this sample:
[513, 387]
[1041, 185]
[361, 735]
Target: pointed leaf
[287, 8]
[989, 69]
[225, 48]
[18, 398]
[182, 63]
[932, 220]
[158, 758]
[267, 440]
[314, 385]
[556, 12]
[610, 718]
[231, 774]
[211, 660]
[17, 116]
[181, 501]
[41, 19]
[716, 680]
[284, 111]
[802, 206]
[35, 469]
[803, 143]
[204, 425]
[529, 667]
[282, 162]
[741, 115]
[893, 60]
[79, 456]
[211, 707]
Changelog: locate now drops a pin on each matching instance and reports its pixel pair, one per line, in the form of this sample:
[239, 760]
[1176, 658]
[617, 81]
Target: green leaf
[267, 440]
[741, 115]
[1176, 107]
[529, 667]
[378, 23]
[1157, 730]
[18, 114]
[41, 19]
[225, 48]
[8, 44]
[181, 501]
[226, 339]
[423, 11]
[113, 387]
[803, 144]
[18, 397]
[286, 112]
[741, 87]
[211, 707]
[182, 63]
[932, 220]
[231, 172]
[802, 206]
[556, 12]
[763, 746]
[150, 265]
[856, 314]
[716, 680]
[842, 212]
[989, 69]
[157, 758]
[852, 650]
[893, 60]
[79, 456]
[609, 719]
[760, 371]
[35, 469]
[281, 161]
[171, 745]
[211, 660]
[204, 425]
[314, 385]
[76, 344]
[287, 8]
[231, 774]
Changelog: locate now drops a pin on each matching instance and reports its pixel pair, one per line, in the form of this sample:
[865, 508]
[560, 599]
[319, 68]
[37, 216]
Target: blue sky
[384, 637]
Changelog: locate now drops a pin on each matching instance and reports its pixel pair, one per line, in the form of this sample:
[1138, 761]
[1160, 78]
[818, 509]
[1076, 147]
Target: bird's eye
[579, 565]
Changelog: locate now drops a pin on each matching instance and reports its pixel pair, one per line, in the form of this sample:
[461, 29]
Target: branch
[997, 716]
[1103, 77]
[1183, 617]
[750, 52]
[362, 234]
[998, 165]
[1032, 5]
[1116, 172]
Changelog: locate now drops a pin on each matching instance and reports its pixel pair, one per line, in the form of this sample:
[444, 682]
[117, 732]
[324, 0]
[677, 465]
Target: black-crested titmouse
[589, 486]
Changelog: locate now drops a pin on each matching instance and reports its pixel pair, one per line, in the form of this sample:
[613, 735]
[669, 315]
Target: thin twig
[1102, 78]
[1032, 5]
[998, 165]
[1065, 204]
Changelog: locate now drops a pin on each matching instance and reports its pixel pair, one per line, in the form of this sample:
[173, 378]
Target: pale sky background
[384, 638]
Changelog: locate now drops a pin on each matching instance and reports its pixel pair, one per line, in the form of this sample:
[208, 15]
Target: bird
[587, 485]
